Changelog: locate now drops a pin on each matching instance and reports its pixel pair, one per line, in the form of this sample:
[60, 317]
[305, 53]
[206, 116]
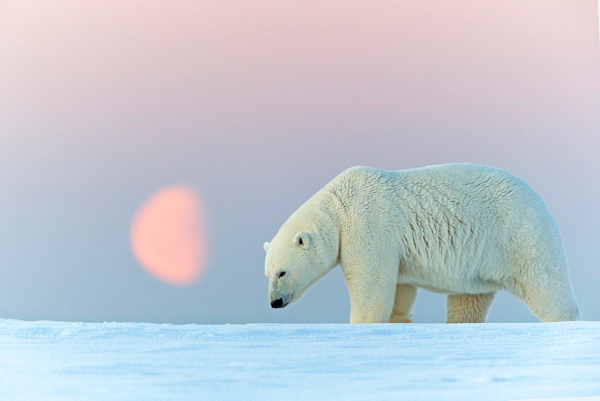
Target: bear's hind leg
[469, 308]
[405, 297]
[550, 298]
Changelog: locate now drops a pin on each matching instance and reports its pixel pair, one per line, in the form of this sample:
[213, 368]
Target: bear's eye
[300, 241]
[281, 274]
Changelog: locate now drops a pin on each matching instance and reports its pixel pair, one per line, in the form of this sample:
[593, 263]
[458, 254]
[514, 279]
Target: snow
[141, 361]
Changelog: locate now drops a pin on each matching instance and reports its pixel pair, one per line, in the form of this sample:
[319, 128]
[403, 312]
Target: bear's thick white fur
[460, 229]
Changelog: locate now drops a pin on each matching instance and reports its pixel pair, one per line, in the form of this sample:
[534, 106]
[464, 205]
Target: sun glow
[167, 236]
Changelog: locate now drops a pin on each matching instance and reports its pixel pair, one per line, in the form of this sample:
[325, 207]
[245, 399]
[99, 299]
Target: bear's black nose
[278, 303]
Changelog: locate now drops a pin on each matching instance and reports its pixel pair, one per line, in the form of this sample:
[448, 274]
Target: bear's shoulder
[361, 173]
[359, 177]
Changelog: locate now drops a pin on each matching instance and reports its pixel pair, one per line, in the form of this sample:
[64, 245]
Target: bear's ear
[266, 246]
[302, 239]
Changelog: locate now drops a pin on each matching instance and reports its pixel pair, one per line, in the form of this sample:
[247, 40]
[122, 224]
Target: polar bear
[463, 230]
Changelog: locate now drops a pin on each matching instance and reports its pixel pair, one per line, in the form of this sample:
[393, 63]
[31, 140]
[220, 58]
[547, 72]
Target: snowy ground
[132, 361]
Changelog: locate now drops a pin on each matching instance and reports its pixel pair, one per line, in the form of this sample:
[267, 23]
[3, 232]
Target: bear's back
[474, 189]
[463, 205]
[462, 183]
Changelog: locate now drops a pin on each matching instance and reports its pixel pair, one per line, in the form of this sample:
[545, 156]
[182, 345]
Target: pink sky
[292, 59]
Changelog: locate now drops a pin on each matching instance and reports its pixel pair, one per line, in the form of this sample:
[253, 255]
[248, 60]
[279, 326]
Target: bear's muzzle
[278, 303]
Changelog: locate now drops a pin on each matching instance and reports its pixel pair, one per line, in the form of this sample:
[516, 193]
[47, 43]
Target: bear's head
[297, 258]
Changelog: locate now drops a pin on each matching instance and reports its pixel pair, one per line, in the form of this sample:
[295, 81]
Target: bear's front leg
[371, 298]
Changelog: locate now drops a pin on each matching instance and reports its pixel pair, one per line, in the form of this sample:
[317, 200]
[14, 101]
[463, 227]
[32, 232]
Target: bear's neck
[326, 208]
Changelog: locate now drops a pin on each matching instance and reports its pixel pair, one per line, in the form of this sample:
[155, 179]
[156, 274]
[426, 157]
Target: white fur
[459, 229]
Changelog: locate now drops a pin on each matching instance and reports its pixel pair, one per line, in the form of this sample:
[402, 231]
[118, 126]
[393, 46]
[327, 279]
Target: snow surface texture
[140, 361]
